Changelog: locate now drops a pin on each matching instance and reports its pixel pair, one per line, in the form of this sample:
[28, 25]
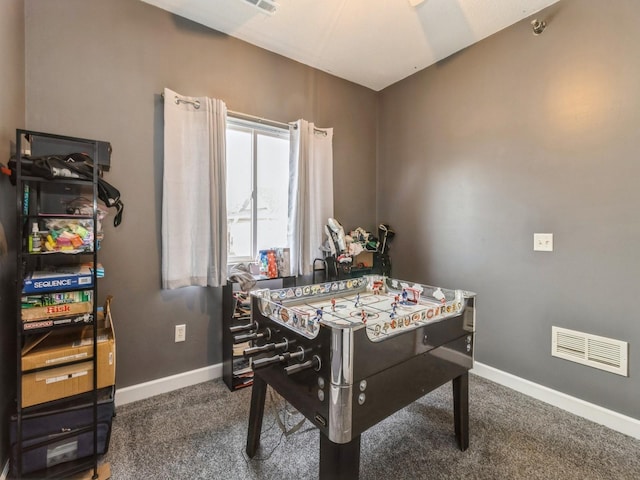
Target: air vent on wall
[592, 350]
[265, 6]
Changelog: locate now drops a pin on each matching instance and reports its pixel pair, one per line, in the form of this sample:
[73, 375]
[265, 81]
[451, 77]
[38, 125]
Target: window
[257, 188]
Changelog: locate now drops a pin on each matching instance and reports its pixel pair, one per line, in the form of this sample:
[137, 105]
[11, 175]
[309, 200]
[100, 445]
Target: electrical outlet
[181, 333]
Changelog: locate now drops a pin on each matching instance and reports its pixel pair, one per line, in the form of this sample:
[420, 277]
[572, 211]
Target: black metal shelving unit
[236, 371]
[236, 324]
[39, 199]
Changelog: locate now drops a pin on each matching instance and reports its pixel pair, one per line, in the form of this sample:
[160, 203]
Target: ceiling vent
[598, 352]
[265, 6]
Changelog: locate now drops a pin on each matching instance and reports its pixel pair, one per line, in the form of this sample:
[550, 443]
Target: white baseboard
[167, 384]
[5, 471]
[616, 421]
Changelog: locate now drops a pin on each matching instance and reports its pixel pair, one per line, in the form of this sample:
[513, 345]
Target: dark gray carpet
[199, 433]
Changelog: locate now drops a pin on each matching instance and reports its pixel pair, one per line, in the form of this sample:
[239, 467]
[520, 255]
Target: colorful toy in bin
[68, 235]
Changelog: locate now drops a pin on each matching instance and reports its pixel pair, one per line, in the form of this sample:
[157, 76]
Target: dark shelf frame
[228, 320]
[27, 261]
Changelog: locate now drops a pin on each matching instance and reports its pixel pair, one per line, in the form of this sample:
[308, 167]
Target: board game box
[62, 278]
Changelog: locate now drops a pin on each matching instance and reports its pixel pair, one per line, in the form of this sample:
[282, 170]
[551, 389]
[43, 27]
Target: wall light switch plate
[181, 333]
[543, 242]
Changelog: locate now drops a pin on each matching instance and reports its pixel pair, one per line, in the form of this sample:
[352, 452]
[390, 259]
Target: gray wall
[515, 135]
[11, 117]
[96, 68]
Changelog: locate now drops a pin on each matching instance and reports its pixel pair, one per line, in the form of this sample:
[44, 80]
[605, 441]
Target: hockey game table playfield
[349, 353]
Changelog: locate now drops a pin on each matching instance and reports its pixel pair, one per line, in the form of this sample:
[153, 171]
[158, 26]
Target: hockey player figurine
[405, 295]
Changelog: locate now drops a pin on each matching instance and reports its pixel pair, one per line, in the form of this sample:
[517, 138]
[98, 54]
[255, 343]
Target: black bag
[110, 195]
[73, 165]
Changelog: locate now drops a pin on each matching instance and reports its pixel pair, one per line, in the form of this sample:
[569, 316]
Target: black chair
[322, 268]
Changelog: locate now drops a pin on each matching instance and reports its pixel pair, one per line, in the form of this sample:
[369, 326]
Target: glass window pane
[273, 191]
[239, 185]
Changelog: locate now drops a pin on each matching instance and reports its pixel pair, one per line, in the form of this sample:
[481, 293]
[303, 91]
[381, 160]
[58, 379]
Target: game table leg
[461, 410]
[258, 396]
[339, 461]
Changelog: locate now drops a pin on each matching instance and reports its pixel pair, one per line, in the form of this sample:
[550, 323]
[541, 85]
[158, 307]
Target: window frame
[256, 127]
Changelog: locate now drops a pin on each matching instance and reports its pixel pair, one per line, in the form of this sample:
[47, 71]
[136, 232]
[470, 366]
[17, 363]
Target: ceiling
[373, 43]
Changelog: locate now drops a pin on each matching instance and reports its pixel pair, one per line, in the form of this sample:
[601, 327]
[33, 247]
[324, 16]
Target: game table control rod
[314, 363]
[297, 355]
[266, 334]
[243, 328]
[268, 347]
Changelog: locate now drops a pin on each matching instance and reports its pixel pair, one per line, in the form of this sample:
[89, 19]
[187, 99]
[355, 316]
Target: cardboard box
[77, 319]
[56, 311]
[54, 348]
[56, 298]
[364, 258]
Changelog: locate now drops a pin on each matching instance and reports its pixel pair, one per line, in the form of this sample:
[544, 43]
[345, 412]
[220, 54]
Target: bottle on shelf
[35, 240]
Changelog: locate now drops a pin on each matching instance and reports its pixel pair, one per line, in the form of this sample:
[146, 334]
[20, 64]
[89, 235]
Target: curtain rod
[266, 121]
[272, 123]
[195, 103]
[253, 118]
[242, 116]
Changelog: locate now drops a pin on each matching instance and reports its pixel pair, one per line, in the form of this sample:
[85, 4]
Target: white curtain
[310, 192]
[194, 210]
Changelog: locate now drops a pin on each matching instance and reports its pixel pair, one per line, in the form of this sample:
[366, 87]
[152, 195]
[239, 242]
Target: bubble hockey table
[347, 354]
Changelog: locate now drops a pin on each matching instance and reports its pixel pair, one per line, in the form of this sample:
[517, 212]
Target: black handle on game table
[265, 362]
[297, 355]
[243, 328]
[314, 363]
[266, 334]
[268, 347]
